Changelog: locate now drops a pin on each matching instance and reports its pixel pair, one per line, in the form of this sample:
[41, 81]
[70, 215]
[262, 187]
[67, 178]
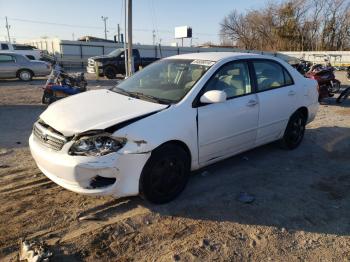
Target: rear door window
[6, 58]
[271, 75]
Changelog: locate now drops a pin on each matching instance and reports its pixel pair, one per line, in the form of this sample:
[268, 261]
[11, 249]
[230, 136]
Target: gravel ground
[301, 210]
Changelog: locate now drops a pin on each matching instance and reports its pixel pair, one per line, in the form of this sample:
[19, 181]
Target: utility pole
[104, 19]
[8, 30]
[130, 61]
[125, 54]
[154, 37]
[118, 29]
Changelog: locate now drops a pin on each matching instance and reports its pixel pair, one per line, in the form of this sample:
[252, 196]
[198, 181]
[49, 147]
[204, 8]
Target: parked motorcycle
[303, 66]
[346, 92]
[61, 84]
[327, 83]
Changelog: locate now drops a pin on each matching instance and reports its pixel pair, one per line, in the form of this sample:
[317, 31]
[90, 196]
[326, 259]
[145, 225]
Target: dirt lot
[301, 211]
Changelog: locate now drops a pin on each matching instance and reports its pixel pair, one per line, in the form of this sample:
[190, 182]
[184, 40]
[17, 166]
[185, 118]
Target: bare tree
[291, 25]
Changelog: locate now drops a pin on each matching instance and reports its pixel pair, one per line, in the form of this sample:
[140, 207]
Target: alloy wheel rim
[166, 176]
[25, 75]
[297, 130]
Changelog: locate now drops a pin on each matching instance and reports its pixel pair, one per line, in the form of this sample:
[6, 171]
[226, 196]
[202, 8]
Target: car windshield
[166, 81]
[116, 52]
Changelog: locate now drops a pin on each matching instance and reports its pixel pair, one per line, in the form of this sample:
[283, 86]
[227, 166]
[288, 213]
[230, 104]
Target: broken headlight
[98, 145]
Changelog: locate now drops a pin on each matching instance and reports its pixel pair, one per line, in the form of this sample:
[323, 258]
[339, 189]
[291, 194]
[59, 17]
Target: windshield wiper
[120, 91]
[151, 98]
[143, 96]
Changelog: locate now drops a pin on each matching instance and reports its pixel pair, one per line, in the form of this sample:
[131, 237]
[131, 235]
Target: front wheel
[110, 72]
[335, 87]
[47, 98]
[294, 133]
[165, 174]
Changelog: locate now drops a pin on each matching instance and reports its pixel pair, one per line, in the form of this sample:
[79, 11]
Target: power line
[154, 22]
[100, 27]
[51, 23]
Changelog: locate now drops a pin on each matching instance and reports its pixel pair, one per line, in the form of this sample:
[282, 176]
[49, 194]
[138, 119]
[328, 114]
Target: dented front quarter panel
[145, 135]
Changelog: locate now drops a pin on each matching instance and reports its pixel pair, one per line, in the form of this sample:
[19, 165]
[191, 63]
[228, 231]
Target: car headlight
[98, 145]
[98, 63]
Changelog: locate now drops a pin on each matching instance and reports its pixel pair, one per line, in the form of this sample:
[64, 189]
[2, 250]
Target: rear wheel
[165, 174]
[294, 133]
[110, 72]
[343, 95]
[25, 75]
[336, 86]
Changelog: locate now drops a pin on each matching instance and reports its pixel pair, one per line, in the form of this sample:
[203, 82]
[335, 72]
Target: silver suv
[14, 65]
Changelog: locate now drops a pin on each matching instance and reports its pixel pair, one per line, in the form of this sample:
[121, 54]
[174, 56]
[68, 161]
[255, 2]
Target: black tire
[110, 72]
[294, 133]
[47, 98]
[25, 75]
[343, 96]
[165, 174]
[336, 86]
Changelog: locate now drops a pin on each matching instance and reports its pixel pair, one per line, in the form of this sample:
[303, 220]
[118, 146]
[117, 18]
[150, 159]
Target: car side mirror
[213, 96]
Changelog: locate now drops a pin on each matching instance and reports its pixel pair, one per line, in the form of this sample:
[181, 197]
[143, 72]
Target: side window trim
[284, 70]
[196, 103]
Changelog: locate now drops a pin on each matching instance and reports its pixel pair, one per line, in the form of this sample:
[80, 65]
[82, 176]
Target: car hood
[94, 110]
[102, 57]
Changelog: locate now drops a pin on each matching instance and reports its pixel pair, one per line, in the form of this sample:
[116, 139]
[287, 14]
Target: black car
[114, 63]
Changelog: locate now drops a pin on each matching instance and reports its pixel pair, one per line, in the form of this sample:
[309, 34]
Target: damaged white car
[179, 114]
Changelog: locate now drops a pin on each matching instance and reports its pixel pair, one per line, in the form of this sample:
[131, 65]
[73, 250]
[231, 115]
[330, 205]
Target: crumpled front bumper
[76, 173]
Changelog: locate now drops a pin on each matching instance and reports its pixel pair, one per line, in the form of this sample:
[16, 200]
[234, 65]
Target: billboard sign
[183, 32]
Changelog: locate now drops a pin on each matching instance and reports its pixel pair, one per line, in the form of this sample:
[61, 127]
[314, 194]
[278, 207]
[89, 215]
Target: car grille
[48, 138]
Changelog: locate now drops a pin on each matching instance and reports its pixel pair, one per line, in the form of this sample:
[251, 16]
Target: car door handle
[252, 103]
[291, 93]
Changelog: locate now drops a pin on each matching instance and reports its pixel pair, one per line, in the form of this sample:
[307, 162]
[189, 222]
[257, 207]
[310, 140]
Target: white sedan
[179, 114]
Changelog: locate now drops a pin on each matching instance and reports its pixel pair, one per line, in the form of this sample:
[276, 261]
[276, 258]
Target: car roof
[216, 56]
[10, 53]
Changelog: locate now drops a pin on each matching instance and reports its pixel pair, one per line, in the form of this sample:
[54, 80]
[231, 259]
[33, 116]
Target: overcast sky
[30, 19]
